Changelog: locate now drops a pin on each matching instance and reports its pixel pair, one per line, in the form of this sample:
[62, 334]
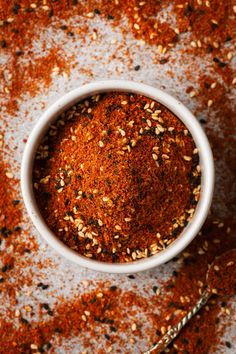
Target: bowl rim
[206, 162]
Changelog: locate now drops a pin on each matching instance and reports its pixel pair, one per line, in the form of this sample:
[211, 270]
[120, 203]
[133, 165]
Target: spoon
[220, 280]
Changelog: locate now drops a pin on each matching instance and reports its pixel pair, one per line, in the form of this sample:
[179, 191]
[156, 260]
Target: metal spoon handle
[174, 331]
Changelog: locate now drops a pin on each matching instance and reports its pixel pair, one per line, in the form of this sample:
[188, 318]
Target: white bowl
[206, 163]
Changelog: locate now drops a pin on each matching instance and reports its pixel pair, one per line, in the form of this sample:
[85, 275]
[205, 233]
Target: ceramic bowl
[206, 163]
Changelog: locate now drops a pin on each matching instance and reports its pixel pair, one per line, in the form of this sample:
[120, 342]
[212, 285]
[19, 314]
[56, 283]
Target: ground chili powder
[222, 274]
[117, 177]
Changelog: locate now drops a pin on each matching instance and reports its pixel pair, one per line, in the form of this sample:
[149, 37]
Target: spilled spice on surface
[222, 274]
[117, 177]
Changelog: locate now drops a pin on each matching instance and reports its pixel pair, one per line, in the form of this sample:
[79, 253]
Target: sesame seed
[163, 330]
[124, 103]
[84, 318]
[33, 346]
[90, 15]
[134, 327]
[9, 175]
[193, 44]
[187, 158]
[99, 295]
[192, 93]
[209, 103]
[136, 26]
[101, 143]
[155, 157]
[216, 268]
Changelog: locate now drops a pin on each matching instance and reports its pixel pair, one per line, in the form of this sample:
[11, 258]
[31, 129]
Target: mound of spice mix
[117, 177]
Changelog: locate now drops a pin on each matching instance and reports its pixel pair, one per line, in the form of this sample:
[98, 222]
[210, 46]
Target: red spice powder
[117, 179]
[222, 274]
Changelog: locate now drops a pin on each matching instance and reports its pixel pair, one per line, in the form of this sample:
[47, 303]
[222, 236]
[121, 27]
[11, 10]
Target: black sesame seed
[228, 38]
[163, 61]
[15, 202]
[1, 280]
[3, 43]
[17, 228]
[174, 273]
[97, 12]
[91, 196]
[64, 27]
[137, 67]
[113, 288]
[107, 336]
[154, 289]
[113, 329]
[83, 195]
[6, 267]
[19, 52]
[45, 306]
[71, 34]
[49, 345]
[158, 333]
[92, 301]
[228, 344]
[110, 17]
[50, 13]
[23, 320]
[43, 286]
[50, 313]
[75, 2]
[15, 8]
[131, 276]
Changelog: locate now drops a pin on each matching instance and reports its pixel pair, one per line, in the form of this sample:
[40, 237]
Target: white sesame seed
[100, 223]
[101, 143]
[134, 327]
[9, 175]
[136, 26]
[209, 103]
[192, 93]
[90, 15]
[216, 268]
[99, 295]
[187, 158]
[155, 157]
[193, 44]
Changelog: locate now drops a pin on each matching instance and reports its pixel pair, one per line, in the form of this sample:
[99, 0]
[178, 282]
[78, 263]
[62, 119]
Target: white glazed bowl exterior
[206, 162]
